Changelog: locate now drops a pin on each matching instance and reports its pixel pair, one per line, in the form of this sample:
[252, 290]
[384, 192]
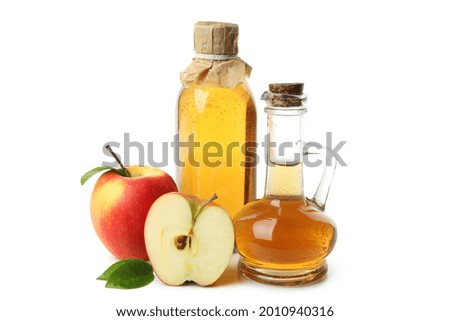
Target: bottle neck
[284, 177]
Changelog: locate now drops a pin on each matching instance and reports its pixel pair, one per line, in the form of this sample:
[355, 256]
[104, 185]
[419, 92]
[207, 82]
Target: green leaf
[96, 170]
[130, 275]
[105, 276]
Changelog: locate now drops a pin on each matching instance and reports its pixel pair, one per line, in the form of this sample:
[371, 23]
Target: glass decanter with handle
[285, 237]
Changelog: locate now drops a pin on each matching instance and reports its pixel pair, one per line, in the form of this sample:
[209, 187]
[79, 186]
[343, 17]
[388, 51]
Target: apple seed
[181, 242]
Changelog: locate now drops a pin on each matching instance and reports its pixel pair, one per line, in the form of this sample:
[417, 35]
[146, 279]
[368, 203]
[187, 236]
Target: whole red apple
[120, 204]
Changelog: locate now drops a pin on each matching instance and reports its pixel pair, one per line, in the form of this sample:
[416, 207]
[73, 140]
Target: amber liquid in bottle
[221, 120]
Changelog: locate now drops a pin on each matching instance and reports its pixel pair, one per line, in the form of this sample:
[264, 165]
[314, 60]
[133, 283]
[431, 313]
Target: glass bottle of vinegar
[284, 237]
[217, 120]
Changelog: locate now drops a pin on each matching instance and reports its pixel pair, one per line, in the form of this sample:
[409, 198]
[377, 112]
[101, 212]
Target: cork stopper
[216, 38]
[287, 94]
[295, 88]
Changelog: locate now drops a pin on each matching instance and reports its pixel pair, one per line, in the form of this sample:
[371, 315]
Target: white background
[76, 74]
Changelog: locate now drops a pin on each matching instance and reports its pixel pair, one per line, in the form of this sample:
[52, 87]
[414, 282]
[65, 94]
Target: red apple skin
[119, 207]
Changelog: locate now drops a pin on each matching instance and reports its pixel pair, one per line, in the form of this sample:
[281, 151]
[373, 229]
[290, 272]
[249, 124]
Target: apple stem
[212, 199]
[127, 173]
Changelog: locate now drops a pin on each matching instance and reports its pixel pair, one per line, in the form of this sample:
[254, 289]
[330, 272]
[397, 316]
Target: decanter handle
[321, 195]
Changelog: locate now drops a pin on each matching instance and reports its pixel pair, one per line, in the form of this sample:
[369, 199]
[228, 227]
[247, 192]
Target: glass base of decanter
[284, 277]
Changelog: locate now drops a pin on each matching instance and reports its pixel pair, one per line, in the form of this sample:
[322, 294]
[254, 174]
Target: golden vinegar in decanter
[284, 232]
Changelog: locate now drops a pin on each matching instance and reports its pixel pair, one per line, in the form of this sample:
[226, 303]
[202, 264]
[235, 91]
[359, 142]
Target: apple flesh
[188, 241]
[119, 207]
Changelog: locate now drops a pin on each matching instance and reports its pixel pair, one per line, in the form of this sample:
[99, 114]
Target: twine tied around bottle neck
[214, 57]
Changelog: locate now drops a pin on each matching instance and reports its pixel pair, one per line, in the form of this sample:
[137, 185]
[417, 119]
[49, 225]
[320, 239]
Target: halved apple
[188, 239]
